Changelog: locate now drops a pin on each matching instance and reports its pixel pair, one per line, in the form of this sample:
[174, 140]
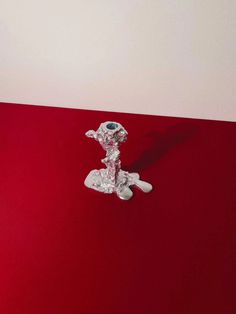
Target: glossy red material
[66, 249]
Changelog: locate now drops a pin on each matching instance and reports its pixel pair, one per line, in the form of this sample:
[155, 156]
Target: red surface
[67, 249]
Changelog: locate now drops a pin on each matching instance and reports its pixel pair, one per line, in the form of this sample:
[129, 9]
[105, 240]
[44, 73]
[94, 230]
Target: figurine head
[109, 134]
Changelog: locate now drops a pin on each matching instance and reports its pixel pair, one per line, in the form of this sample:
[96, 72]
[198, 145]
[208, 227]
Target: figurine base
[99, 181]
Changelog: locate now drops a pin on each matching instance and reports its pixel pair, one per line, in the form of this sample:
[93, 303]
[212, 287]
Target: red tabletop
[68, 249]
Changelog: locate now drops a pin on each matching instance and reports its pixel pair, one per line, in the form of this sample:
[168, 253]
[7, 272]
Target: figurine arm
[91, 134]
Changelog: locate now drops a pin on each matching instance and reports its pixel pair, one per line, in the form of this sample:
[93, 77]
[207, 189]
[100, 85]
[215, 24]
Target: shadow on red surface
[162, 143]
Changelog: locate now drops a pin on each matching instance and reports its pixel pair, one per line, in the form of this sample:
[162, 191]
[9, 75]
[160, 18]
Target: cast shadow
[162, 144]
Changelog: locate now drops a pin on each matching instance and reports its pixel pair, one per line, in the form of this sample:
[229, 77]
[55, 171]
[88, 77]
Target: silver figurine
[112, 179]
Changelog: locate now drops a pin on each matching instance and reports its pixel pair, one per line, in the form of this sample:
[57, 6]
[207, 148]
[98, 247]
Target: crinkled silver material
[112, 179]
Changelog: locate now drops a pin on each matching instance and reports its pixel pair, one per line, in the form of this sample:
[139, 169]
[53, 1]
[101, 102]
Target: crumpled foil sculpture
[112, 179]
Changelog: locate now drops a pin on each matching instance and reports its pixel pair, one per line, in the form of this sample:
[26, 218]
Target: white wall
[151, 56]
